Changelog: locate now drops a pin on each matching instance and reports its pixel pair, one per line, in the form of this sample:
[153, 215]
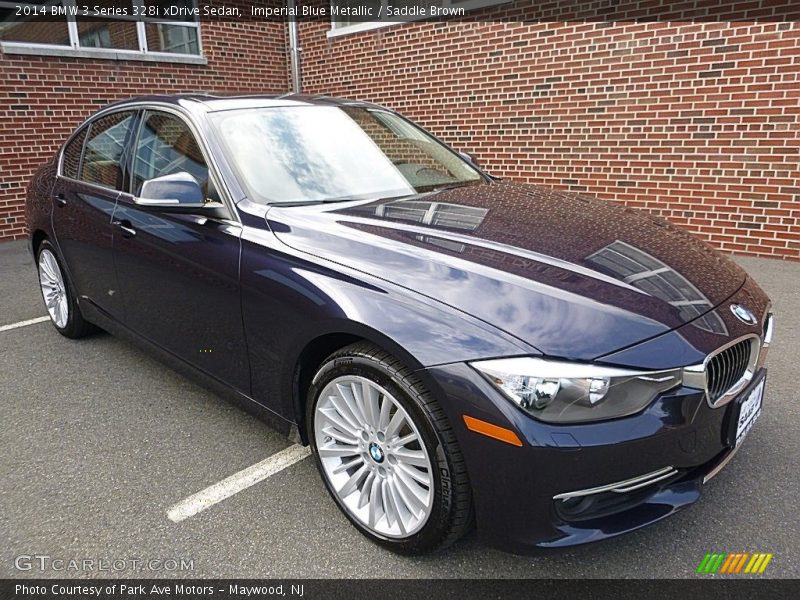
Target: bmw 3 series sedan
[456, 349]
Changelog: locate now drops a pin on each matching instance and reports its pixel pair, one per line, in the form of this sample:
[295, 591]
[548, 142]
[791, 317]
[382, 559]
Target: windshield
[323, 153]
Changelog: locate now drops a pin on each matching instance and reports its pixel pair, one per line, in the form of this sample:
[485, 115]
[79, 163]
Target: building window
[342, 23]
[175, 39]
[105, 28]
[96, 38]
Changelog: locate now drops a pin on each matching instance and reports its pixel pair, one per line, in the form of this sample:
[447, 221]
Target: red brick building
[697, 121]
[52, 79]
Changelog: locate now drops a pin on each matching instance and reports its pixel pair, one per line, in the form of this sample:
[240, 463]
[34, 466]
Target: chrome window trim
[96, 186]
[622, 487]
[186, 117]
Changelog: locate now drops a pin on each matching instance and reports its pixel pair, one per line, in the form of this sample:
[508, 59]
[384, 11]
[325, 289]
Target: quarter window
[166, 145]
[103, 154]
[72, 155]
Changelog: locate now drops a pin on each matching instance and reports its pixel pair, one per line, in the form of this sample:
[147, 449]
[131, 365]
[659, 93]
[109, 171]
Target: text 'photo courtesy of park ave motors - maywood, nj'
[160, 590]
[399, 299]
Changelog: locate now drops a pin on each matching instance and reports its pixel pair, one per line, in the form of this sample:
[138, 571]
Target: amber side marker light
[492, 431]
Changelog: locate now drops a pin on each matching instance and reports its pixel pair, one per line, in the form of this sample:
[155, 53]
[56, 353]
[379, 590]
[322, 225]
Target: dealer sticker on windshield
[749, 411]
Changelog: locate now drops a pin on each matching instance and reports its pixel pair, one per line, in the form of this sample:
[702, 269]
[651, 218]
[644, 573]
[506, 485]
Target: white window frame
[185, 42]
[75, 50]
[337, 29]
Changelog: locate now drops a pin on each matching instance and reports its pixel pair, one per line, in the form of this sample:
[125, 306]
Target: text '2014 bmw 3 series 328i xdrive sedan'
[456, 349]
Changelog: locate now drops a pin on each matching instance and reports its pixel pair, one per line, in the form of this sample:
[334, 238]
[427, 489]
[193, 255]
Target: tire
[401, 476]
[59, 295]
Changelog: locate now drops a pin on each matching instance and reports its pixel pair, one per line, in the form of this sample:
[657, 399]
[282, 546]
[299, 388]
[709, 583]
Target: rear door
[179, 273]
[85, 193]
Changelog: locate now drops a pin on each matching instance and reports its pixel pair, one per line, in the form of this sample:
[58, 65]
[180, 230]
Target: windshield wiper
[420, 191]
[319, 201]
[344, 199]
[450, 186]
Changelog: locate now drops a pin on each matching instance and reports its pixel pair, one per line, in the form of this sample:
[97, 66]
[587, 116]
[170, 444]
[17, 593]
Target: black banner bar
[359, 11]
[752, 588]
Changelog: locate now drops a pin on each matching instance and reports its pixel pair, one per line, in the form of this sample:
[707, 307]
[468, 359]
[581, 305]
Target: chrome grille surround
[730, 368]
[769, 329]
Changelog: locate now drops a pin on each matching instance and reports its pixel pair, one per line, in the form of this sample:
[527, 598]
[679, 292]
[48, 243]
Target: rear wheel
[58, 295]
[386, 451]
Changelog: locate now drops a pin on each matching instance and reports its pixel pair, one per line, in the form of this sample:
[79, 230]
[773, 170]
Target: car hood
[573, 276]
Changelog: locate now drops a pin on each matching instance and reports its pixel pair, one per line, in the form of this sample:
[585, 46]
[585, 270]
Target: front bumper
[525, 496]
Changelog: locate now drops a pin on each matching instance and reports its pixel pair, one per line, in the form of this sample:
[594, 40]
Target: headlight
[564, 392]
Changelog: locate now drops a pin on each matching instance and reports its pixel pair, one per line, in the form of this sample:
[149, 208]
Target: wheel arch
[37, 237]
[316, 350]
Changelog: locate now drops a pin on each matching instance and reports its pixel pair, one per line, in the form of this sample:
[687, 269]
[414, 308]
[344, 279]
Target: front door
[179, 274]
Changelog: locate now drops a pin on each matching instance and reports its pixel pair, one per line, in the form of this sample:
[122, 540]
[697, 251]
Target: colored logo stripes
[735, 563]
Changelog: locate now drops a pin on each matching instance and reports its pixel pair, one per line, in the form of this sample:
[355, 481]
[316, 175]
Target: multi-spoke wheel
[386, 452]
[57, 294]
[373, 456]
[54, 291]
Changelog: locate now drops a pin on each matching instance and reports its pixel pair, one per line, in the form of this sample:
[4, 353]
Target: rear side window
[104, 148]
[72, 155]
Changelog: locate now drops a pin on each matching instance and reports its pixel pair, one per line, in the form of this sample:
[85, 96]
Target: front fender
[290, 299]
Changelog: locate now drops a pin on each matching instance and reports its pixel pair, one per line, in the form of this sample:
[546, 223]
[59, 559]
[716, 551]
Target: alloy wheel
[54, 290]
[373, 456]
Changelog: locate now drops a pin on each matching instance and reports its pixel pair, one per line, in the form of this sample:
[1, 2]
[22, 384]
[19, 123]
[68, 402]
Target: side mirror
[469, 158]
[177, 193]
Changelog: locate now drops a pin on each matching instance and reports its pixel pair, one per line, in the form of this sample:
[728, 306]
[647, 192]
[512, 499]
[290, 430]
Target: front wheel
[386, 451]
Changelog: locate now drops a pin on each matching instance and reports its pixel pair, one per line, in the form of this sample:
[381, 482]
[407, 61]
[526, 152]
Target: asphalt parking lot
[98, 441]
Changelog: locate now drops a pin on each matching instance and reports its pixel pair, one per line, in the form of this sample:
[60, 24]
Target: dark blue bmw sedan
[456, 349]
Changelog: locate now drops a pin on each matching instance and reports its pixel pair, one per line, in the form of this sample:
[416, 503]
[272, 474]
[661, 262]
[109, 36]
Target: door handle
[61, 199]
[127, 229]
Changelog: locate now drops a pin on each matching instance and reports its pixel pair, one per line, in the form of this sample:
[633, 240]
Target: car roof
[213, 102]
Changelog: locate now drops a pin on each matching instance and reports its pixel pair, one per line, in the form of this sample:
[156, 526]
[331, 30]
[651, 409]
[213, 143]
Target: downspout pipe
[294, 50]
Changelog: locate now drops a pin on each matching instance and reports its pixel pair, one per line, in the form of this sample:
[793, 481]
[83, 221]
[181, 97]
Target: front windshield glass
[317, 153]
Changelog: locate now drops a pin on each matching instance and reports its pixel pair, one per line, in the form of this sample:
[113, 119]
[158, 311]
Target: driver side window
[165, 146]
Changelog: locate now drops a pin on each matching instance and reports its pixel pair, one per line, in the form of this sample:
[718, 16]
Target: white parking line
[24, 323]
[237, 482]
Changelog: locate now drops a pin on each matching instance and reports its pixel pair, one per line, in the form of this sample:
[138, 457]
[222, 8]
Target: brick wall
[697, 122]
[42, 99]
